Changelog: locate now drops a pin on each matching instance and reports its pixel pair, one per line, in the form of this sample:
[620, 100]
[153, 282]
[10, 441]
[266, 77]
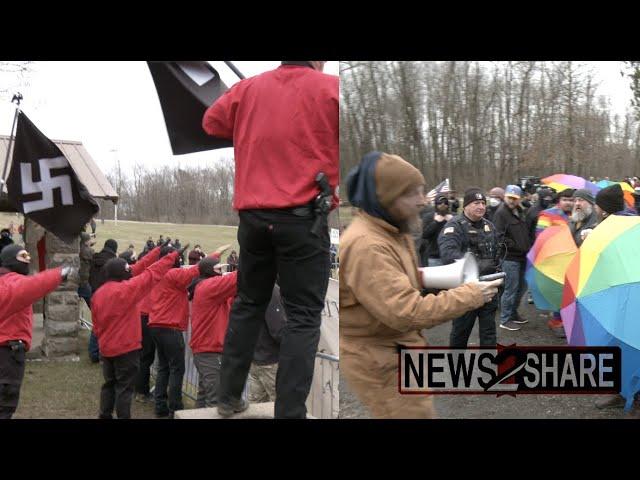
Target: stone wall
[61, 308]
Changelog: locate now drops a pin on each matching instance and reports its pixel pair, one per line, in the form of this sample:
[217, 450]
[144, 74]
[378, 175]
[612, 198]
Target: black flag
[186, 90]
[43, 185]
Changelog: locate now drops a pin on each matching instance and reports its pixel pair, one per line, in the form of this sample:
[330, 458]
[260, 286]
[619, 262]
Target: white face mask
[494, 202]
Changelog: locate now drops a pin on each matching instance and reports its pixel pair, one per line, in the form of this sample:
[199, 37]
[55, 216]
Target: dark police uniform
[459, 236]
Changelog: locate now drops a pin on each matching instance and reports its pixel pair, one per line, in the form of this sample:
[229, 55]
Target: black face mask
[19, 267]
[10, 262]
[116, 270]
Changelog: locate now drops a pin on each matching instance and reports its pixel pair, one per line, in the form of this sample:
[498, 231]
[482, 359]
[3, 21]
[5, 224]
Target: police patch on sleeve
[448, 230]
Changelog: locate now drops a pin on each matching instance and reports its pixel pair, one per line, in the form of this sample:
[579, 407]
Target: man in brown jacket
[380, 302]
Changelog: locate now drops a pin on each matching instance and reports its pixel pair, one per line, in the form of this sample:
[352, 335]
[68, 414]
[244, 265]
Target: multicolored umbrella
[627, 190]
[547, 263]
[562, 181]
[601, 296]
[551, 217]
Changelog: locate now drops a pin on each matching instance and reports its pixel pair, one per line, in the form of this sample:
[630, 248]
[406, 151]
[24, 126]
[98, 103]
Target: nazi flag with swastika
[185, 91]
[43, 185]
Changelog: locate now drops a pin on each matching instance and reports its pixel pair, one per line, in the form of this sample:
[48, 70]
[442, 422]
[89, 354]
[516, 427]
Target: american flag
[442, 187]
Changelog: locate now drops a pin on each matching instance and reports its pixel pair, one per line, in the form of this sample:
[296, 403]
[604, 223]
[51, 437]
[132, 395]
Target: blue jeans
[514, 288]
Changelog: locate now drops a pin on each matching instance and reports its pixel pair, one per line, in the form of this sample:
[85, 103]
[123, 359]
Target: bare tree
[485, 123]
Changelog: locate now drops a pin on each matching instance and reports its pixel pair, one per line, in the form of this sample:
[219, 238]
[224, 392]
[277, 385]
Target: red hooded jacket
[168, 301]
[17, 294]
[139, 267]
[210, 312]
[116, 318]
[284, 127]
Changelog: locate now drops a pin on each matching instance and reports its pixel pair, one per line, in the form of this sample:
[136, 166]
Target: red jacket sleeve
[221, 290]
[219, 119]
[180, 278]
[22, 292]
[146, 261]
[150, 277]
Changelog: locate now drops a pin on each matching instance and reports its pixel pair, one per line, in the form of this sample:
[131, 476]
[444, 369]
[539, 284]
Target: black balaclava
[116, 270]
[205, 266]
[546, 197]
[166, 250]
[9, 261]
[111, 245]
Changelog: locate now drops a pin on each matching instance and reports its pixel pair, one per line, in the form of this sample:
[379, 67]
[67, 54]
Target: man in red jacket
[284, 127]
[168, 319]
[18, 291]
[148, 354]
[211, 295]
[116, 323]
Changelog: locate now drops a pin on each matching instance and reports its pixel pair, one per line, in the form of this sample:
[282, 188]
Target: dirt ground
[535, 332]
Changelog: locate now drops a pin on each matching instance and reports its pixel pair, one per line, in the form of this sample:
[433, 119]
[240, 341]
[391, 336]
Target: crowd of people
[140, 306]
[141, 302]
[382, 298]
[500, 226]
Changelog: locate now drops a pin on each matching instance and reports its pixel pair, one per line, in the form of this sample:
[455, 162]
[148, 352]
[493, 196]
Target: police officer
[469, 231]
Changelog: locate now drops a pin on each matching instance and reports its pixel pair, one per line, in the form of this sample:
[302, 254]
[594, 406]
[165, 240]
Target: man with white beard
[584, 217]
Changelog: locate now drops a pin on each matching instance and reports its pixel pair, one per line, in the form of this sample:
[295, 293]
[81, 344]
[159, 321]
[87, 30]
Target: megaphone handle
[493, 276]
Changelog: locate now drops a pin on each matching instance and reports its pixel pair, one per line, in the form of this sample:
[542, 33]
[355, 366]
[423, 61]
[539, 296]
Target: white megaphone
[453, 275]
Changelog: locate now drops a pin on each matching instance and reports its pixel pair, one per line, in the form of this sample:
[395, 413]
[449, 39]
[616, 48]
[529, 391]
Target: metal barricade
[323, 401]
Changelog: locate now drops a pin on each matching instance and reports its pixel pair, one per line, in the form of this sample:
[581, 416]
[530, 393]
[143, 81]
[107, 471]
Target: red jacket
[116, 318]
[210, 312]
[17, 294]
[139, 267]
[284, 127]
[168, 301]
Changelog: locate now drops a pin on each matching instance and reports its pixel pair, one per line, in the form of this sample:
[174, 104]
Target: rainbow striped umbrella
[562, 181]
[549, 218]
[601, 296]
[547, 263]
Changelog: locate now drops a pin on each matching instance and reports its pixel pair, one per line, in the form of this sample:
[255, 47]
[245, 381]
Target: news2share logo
[507, 370]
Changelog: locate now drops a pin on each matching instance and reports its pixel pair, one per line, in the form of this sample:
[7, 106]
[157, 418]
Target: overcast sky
[113, 108]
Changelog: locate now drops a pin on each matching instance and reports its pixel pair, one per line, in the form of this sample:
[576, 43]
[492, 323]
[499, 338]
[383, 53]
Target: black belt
[14, 345]
[302, 211]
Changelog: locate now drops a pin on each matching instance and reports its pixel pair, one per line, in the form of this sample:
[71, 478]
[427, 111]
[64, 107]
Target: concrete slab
[255, 411]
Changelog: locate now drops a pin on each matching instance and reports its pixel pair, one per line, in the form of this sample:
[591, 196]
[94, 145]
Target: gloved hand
[66, 271]
[221, 249]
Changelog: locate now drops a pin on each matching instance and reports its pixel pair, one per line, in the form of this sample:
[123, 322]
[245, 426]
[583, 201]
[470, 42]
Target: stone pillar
[32, 235]
[61, 307]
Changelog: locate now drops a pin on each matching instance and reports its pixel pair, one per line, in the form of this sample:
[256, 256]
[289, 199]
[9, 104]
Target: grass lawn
[66, 389]
[208, 236]
[58, 389]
